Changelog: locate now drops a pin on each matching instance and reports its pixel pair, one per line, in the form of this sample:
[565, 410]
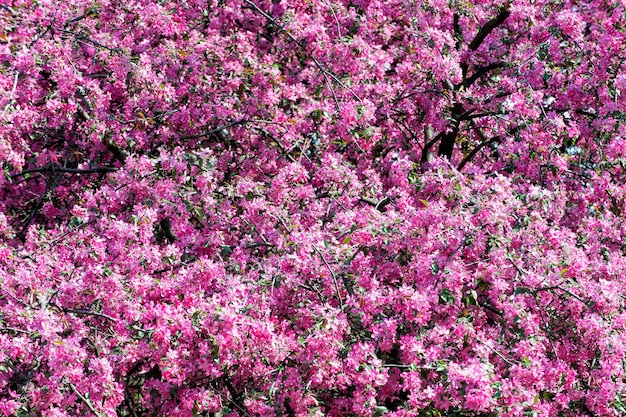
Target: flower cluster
[311, 208]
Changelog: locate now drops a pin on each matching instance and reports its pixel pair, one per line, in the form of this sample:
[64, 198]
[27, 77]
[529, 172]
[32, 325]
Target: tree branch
[84, 400]
[118, 153]
[429, 145]
[332, 275]
[214, 131]
[98, 170]
[458, 32]
[325, 71]
[80, 36]
[446, 146]
[84, 312]
[491, 308]
[480, 71]
[484, 142]
[489, 27]
[378, 205]
[236, 399]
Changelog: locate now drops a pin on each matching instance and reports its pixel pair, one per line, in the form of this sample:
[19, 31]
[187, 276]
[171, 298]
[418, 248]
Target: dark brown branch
[171, 268]
[20, 379]
[587, 303]
[57, 239]
[80, 36]
[429, 145]
[458, 32]
[84, 116]
[446, 146]
[81, 312]
[215, 131]
[166, 227]
[484, 142]
[236, 399]
[491, 308]
[585, 113]
[480, 71]
[118, 153]
[38, 206]
[474, 151]
[97, 75]
[482, 114]
[99, 170]
[284, 152]
[88, 313]
[258, 244]
[466, 115]
[348, 284]
[302, 44]
[489, 27]
[14, 330]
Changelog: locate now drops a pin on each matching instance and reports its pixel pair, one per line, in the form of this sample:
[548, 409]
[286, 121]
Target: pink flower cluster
[312, 208]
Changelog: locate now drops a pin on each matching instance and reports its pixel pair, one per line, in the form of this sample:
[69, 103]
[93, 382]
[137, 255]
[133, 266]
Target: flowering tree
[294, 208]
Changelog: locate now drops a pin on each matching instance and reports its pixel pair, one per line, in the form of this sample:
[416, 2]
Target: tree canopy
[312, 207]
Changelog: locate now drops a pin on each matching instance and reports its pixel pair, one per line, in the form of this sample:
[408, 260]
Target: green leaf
[446, 297]
[380, 410]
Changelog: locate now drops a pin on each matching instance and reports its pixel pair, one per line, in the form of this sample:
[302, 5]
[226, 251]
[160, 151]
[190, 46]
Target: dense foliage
[312, 207]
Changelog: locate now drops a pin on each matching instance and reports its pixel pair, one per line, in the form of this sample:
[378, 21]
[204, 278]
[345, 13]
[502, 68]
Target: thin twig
[335, 16]
[545, 326]
[517, 268]
[38, 206]
[582, 300]
[332, 90]
[311, 288]
[84, 312]
[84, 399]
[8, 9]
[282, 149]
[478, 72]
[171, 268]
[89, 313]
[332, 274]
[255, 245]
[214, 131]
[491, 308]
[80, 37]
[586, 303]
[25, 304]
[98, 170]
[466, 242]
[13, 329]
[57, 239]
[317, 63]
[395, 365]
[496, 352]
[17, 74]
